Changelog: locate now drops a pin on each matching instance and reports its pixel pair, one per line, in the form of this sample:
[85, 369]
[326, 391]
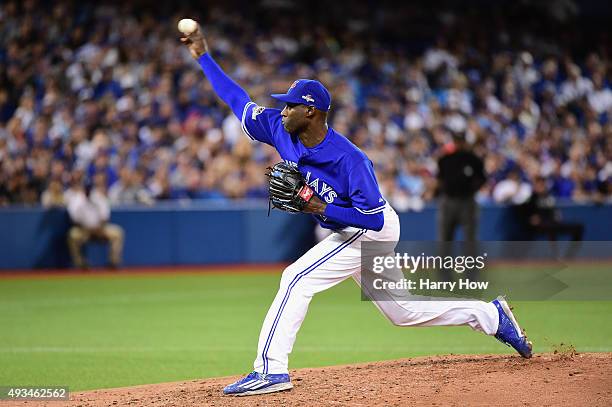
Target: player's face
[294, 117]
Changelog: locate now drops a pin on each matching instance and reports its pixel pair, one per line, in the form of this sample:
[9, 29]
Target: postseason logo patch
[257, 110]
[294, 84]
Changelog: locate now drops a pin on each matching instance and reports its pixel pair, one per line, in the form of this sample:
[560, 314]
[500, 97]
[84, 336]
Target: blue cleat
[509, 332]
[259, 383]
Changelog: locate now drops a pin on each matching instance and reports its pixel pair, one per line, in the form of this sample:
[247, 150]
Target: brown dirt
[562, 378]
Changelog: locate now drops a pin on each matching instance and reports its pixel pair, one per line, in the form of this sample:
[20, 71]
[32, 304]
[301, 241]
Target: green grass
[110, 331]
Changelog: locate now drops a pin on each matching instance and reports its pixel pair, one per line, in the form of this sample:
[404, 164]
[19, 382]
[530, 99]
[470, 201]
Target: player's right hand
[196, 43]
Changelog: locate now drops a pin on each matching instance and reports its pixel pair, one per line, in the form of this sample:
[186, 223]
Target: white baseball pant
[332, 261]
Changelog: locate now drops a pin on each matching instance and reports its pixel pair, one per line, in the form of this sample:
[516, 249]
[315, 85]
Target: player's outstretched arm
[228, 90]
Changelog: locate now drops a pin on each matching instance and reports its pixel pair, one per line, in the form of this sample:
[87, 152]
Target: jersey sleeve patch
[257, 110]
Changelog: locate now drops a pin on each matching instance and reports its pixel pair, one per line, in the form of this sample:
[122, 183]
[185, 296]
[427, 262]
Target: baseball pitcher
[325, 175]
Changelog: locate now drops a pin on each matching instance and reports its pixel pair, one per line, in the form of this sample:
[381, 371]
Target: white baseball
[187, 26]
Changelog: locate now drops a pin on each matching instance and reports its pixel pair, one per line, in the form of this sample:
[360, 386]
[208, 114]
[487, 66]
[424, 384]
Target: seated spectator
[540, 217]
[512, 190]
[53, 196]
[90, 213]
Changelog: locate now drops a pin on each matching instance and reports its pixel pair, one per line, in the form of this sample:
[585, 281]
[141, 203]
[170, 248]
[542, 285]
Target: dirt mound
[564, 378]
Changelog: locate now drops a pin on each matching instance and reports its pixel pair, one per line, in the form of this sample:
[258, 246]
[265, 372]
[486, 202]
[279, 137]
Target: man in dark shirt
[540, 216]
[460, 176]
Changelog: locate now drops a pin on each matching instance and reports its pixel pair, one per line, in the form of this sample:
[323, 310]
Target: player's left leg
[404, 309]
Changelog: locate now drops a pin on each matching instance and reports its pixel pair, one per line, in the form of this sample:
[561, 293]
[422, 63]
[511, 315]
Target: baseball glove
[288, 189]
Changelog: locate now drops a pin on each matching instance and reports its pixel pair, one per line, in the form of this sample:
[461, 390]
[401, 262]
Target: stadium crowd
[105, 89]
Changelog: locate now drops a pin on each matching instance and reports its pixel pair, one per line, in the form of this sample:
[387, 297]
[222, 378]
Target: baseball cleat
[259, 383]
[509, 332]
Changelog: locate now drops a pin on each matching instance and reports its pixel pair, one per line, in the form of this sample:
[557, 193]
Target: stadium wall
[207, 233]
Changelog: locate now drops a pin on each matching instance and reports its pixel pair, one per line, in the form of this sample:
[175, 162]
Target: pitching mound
[564, 378]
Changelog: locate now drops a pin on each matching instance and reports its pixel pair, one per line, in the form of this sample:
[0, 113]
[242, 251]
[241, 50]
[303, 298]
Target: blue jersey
[338, 172]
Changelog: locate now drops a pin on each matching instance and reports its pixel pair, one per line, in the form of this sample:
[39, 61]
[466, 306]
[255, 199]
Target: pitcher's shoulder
[347, 148]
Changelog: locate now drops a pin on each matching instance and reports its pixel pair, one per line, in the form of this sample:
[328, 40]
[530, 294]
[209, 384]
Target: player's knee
[395, 320]
[398, 315]
[289, 274]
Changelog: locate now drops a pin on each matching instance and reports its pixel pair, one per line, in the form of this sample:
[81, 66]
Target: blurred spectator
[130, 189]
[90, 214]
[527, 91]
[541, 218]
[574, 87]
[512, 190]
[53, 196]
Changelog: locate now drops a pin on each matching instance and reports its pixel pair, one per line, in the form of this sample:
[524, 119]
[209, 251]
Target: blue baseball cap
[306, 92]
